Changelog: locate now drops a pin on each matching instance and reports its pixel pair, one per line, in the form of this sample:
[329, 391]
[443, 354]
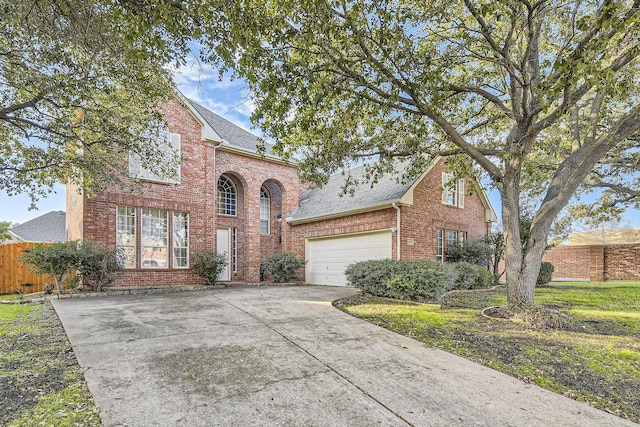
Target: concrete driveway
[260, 356]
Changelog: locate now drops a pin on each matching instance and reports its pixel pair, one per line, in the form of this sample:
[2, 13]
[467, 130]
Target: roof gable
[50, 227]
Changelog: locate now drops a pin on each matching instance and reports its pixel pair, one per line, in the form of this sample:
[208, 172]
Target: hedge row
[415, 280]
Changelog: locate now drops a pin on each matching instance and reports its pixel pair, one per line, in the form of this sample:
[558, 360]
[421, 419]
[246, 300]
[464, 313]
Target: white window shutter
[445, 188]
[461, 193]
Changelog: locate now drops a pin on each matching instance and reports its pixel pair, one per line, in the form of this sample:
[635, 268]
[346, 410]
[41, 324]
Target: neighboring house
[48, 228]
[245, 203]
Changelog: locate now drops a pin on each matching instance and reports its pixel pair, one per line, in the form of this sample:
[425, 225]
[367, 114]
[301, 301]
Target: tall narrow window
[126, 236]
[234, 250]
[154, 238]
[440, 245]
[452, 239]
[265, 211]
[180, 239]
[226, 196]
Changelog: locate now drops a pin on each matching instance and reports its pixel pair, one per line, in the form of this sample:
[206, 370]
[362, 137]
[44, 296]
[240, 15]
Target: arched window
[265, 211]
[226, 196]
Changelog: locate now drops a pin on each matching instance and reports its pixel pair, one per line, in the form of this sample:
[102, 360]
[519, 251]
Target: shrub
[546, 271]
[485, 278]
[469, 276]
[420, 280]
[371, 276]
[97, 265]
[284, 266]
[473, 251]
[406, 279]
[209, 264]
[59, 260]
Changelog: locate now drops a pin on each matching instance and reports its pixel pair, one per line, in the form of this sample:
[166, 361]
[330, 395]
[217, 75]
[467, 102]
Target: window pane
[226, 196]
[180, 239]
[440, 245]
[168, 151]
[154, 237]
[126, 235]
[265, 211]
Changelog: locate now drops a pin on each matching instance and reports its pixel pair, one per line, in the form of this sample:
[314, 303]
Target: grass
[40, 380]
[594, 357]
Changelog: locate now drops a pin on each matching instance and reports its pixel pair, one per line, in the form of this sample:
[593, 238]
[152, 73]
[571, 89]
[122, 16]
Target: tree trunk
[522, 259]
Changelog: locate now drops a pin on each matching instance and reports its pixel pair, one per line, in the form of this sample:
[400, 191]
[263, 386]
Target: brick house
[248, 204]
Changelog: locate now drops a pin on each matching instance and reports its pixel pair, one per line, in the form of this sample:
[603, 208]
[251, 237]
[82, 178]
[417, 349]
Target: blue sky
[226, 97]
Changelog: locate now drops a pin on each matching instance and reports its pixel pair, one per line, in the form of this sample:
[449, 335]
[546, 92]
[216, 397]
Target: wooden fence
[15, 277]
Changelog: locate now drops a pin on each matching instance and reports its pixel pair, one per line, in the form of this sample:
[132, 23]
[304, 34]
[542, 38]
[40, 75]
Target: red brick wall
[595, 262]
[576, 262]
[420, 221]
[256, 172]
[622, 262]
[196, 194]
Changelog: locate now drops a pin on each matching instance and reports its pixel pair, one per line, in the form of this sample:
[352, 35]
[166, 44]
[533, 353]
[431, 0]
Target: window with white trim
[226, 196]
[446, 238]
[440, 245]
[168, 147]
[180, 240]
[126, 235]
[265, 211]
[452, 190]
[154, 240]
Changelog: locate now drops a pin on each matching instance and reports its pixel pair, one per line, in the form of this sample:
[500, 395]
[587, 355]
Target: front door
[223, 237]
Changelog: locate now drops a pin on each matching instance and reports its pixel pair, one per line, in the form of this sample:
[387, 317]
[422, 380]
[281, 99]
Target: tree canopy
[81, 83]
[542, 96]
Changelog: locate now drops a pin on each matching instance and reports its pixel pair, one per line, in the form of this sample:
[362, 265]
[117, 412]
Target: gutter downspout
[398, 240]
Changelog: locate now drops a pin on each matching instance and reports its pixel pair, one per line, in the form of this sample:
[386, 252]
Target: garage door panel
[328, 258]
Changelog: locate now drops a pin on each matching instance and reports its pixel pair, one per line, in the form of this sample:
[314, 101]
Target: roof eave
[387, 204]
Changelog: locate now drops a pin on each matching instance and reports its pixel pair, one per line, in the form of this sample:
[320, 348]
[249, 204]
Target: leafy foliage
[470, 276]
[546, 272]
[209, 264]
[4, 227]
[284, 266]
[79, 83]
[474, 251]
[97, 265]
[59, 260]
[541, 98]
[417, 280]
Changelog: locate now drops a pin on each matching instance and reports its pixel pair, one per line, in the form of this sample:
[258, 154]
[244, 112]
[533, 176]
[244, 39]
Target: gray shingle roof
[232, 134]
[50, 227]
[330, 200]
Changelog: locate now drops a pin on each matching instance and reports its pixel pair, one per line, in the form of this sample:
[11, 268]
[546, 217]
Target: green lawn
[594, 355]
[40, 380]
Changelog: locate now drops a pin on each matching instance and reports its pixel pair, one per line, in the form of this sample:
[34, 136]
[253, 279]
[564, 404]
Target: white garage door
[328, 257]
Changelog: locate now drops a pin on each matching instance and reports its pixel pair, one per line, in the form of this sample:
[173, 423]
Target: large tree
[80, 87]
[540, 96]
